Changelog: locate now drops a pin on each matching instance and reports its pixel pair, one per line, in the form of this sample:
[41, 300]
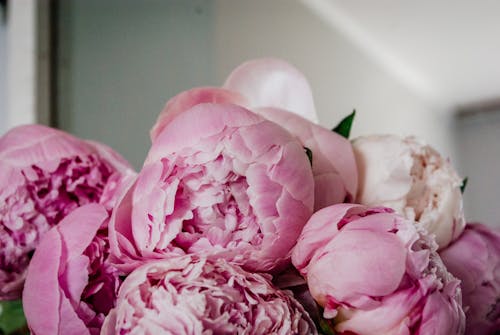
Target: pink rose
[70, 286]
[414, 180]
[218, 179]
[475, 259]
[195, 295]
[375, 273]
[45, 175]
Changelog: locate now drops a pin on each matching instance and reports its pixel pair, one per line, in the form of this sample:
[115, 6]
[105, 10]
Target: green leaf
[344, 127]
[12, 319]
[464, 185]
[325, 327]
[309, 154]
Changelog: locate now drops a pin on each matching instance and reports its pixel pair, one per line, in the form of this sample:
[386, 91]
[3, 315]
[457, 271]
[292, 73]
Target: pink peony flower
[195, 295]
[70, 286]
[218, 179]
[414, 180]
[280, 93]
[373, 272]
[475, 259]
[45, 175]
[333, 163]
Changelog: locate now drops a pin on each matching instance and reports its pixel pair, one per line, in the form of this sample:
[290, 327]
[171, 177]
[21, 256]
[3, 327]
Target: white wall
[3, 72]
[121, 60]
[342, 76]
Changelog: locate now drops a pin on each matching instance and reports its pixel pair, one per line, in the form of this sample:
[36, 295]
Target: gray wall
[478, 141]
[120, 60]
[342, 75]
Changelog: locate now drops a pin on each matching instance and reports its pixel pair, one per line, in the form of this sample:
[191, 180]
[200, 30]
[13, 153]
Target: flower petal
[270, 82]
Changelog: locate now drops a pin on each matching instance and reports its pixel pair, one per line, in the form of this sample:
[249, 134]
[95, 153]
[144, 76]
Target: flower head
[195, 295]
[474, 258]
[333, 163]
[414, 180]
[71, 286]
[218, 179]
[361, 263]
[45, 175]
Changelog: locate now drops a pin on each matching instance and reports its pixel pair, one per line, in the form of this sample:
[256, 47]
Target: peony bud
[374, 273]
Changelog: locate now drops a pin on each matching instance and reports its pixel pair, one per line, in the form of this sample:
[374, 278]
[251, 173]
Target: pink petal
[53, 278]
[112, 157]
[370, 263]
[31, 144]
[70, 322]
[79, 228]
[203, 121]
[270, 82]
[318, 231]
[187, 99]
[42, 295]
[333, 156]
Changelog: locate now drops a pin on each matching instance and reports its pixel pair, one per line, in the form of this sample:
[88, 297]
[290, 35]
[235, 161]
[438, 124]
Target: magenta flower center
[99, 295]
[45, 198]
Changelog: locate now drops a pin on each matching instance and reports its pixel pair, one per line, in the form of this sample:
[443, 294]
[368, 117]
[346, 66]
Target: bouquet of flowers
[247, 217]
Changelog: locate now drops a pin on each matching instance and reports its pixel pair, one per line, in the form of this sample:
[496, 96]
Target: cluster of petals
[474, 258]
[363, 263]
[71, 286]
[277, 91]
[413, 179]
[240, 222]
[195, 295]
[219, 179]
[46, 174]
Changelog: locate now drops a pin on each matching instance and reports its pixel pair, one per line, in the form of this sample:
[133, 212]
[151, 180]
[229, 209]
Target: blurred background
[103, 70]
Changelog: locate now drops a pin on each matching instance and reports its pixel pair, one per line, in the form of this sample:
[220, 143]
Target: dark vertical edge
[3, 8]
[53, 63]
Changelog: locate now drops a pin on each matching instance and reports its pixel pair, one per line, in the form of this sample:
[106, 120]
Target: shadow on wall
[478, 139]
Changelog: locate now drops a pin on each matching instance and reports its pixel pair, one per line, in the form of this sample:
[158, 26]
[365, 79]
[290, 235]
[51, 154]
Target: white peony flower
[414, 180]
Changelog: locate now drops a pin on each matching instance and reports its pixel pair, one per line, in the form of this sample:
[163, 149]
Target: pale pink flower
[218, 179]
[414, 180]
[333, 163]
[375, 273]
[191, 295]
[279, 92]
